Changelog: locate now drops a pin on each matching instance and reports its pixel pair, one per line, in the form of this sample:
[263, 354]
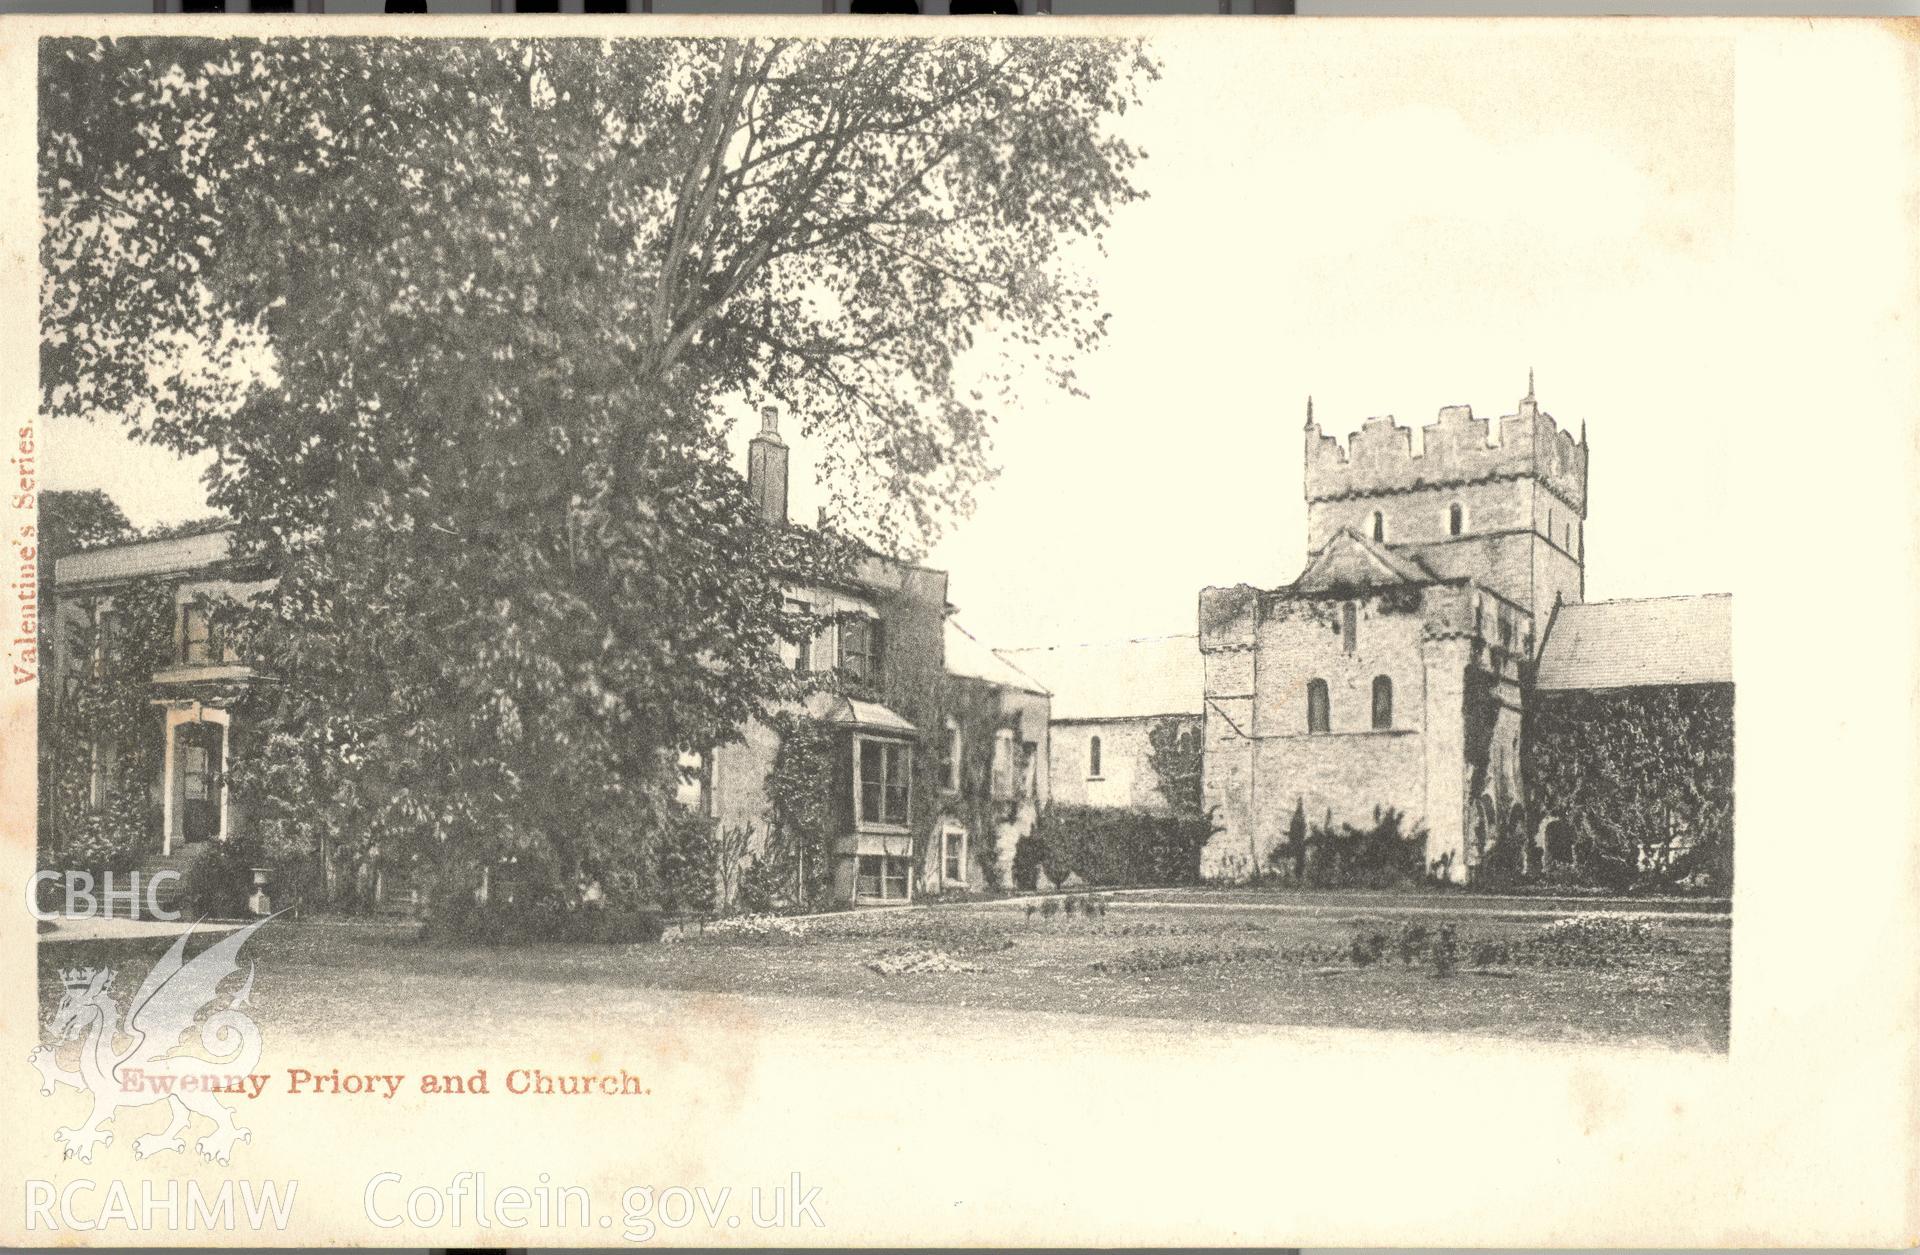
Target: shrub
[1289, 858]
[1114, 847]
[1029, 856]
[1365, 949]
[1446, 951]
[689, 871]
[1380, 857]
[1491, 954]
[1414, 941]
[218, 883]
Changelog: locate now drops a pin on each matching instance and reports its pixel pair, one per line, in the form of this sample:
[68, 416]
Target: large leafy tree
[455, 319]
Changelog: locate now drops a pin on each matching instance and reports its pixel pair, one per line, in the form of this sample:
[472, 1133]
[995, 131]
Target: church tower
[1504, 502]
[1498, 501]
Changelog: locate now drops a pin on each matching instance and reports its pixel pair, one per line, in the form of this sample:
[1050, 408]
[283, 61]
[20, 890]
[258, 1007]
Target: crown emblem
[80, 977]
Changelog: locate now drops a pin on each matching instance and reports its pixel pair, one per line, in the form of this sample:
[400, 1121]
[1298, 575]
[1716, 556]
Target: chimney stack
[767, 467]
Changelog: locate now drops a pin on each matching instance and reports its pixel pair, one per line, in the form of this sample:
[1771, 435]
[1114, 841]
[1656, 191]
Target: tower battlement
[1459, 448]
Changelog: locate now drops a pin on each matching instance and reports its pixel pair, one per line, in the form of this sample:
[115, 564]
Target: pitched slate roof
[1629, 644]
[968, 656]
[1157, 675]
[1351, 560]
[147, 557]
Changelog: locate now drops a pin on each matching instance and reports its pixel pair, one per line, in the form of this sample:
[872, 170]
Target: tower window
[1379, 526]
[1382, 703]
[1349, 626]
[1316, 705]
[1093, 759]
[1455, 516]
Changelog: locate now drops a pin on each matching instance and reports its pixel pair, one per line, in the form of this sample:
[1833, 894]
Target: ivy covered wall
[1635, 784]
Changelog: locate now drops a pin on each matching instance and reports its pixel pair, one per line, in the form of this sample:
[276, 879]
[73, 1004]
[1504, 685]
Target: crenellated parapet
[1458, 448]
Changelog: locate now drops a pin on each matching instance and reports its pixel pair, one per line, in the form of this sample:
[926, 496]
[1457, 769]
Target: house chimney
[767, 467]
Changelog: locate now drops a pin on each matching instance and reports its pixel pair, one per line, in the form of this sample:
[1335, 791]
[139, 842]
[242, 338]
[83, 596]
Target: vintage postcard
[788, 632]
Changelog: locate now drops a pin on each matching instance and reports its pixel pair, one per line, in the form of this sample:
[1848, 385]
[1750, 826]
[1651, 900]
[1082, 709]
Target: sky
[1389, 219]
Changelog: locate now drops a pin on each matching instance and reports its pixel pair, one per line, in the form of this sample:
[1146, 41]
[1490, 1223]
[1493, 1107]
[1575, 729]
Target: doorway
[199, 758]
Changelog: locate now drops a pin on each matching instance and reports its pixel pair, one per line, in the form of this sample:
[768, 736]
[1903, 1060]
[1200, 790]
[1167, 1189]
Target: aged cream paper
[950, 1124]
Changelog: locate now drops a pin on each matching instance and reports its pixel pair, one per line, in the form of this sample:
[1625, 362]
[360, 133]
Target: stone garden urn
[259, 901]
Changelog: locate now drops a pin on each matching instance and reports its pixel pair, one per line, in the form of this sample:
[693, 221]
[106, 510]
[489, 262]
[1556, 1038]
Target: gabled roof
[1131, 679]
[968, 656]
[142, 558]
[1630, 644]
[1350, 560]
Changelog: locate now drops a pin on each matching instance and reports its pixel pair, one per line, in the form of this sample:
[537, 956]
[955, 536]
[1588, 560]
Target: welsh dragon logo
[136, 1065]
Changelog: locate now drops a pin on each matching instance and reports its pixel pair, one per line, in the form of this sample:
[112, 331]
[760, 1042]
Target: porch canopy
[851, 712]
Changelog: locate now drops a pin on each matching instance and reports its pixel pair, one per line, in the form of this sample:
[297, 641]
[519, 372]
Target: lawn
[1645, 977]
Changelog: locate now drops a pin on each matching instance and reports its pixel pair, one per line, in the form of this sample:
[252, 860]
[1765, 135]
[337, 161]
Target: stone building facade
[1392, 672]
[1108, 697]
[940, 743]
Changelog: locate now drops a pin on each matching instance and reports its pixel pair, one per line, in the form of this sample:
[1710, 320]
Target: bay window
[882, 876]
[883, 785]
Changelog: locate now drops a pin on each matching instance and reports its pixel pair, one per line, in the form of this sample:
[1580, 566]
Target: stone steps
[169, 895]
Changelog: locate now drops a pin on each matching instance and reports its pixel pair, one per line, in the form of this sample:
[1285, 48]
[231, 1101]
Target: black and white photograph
[833, 631]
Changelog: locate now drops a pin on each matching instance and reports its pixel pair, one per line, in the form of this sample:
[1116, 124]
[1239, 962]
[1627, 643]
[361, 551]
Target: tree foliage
[457, 318]
[100, 739]
[1174, 752]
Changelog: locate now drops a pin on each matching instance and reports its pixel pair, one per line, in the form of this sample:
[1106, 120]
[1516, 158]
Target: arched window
[1379, 525]
[1382, 703]
[1093, 758]
[1454, 519]
[1316, 705]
